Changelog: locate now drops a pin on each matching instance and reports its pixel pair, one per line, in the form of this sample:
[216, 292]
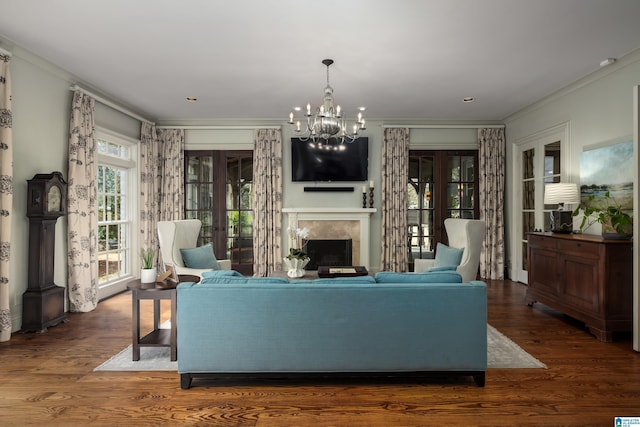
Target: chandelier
[328, 121]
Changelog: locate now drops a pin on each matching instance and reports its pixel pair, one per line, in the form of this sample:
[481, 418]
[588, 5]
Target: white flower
[304, 233]
[295, 233]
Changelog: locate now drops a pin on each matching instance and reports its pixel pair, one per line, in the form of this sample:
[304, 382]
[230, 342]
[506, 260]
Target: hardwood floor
[48, 379]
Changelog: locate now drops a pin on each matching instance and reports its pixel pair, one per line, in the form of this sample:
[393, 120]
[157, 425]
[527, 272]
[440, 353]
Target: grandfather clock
[43, 302]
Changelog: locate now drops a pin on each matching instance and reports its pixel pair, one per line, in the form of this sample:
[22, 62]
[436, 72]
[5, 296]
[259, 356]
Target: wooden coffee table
[157, 337]
[346, 271]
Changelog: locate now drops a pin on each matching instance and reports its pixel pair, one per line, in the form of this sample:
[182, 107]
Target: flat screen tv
[349, 162]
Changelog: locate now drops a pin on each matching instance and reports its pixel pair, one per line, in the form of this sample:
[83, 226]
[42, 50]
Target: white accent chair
[182, 234]
[462, 233]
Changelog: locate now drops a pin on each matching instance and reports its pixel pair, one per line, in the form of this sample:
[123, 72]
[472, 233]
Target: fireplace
[328, 252]
[336, 223]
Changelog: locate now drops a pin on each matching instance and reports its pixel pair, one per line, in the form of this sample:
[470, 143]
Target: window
[116, 187]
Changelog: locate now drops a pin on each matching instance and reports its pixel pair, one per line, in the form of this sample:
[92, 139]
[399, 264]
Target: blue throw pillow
[201, 257]
[447, 256]
[443, 268]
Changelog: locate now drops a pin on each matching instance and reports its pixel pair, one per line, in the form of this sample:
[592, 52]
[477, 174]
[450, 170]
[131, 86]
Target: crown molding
[601, 73]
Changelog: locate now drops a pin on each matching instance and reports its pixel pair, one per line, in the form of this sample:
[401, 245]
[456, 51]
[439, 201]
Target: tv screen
[329, 162]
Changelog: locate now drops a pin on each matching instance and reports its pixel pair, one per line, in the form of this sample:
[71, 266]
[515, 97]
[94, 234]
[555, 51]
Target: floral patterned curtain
[6, 195]
[82, 194]
[267, 201]
[149, 186]
[492, 146]
[395, 170]
[171, 158]
[161, 181]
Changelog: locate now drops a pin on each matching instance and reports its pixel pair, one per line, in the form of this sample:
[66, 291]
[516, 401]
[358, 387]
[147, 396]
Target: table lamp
[561, 193]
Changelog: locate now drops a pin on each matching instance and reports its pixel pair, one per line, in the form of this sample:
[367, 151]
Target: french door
[441, 184]
[538, 161]
[218, 192]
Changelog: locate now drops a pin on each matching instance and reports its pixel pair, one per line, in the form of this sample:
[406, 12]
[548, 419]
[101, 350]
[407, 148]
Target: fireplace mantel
[361, 215]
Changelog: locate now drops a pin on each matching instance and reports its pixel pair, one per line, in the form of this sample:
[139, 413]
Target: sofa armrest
[225, 264]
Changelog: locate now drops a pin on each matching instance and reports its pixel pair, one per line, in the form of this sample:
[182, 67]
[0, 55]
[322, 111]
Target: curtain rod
[219, 127]
[111, 104]
[5, 52]
[444, 126]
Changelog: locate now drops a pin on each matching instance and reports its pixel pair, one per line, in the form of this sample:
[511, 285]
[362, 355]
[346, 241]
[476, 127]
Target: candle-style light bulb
[290, 117]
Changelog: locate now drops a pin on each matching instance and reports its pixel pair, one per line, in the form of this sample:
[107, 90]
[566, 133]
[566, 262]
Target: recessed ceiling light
[607, 61]
[467, 99]
[362, 108]
[297, 108]
[191, 99]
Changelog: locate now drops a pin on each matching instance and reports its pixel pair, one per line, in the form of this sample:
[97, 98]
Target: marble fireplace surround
[336, 223]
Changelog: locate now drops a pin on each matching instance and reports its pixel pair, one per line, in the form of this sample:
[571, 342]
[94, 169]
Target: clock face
[54, 200]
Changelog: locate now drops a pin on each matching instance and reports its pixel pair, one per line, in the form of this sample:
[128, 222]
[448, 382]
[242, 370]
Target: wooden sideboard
[584, 276]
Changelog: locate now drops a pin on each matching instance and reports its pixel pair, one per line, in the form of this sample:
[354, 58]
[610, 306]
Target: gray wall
[599, 109]
[41, 104]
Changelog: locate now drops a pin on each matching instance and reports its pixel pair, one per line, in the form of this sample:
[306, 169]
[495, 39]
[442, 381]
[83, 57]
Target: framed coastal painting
[608, 168]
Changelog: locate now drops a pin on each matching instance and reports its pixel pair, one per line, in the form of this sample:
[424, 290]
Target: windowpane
[426, 169]
[466, 196]
[528, 223]
[528, 195]
[428, 195]
[527, 163]
[453, 199]
[453, 168]
[113, 218]
[468, 169]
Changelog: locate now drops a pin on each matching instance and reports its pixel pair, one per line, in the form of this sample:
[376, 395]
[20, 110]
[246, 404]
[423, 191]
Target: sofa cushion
[345, 280]
[201, 257]
[241, 280]
[432, 277]
[447, 256]
[222, 273]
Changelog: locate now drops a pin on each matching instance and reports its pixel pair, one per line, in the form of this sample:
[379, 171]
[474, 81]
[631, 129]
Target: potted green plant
[616, 224]
[148, 271]
[297, 259]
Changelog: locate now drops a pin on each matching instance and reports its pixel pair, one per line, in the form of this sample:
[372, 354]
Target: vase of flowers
[297, 259]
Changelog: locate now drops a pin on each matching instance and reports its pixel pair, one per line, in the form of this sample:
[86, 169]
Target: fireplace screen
[328, 252]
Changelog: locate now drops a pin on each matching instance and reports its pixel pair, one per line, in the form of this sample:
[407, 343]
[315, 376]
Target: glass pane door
[441, 184]
[540, 164]
[218, 192]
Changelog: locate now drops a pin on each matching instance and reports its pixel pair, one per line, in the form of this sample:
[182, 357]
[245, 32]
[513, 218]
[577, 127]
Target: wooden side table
[157, 337]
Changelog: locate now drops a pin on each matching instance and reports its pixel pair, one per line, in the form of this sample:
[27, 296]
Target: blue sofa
[395, 323]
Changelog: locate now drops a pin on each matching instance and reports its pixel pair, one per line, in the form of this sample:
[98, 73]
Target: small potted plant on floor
[616, 224]
[148, 272]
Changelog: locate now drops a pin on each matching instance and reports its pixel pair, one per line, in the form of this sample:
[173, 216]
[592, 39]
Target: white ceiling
[256, 59]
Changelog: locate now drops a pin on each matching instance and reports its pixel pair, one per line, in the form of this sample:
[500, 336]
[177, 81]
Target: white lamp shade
[561, 192]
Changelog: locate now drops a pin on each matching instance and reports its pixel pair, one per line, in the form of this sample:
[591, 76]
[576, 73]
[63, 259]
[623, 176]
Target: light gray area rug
[502, 353]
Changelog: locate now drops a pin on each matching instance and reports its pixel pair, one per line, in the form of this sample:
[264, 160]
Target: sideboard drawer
[585, 249]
